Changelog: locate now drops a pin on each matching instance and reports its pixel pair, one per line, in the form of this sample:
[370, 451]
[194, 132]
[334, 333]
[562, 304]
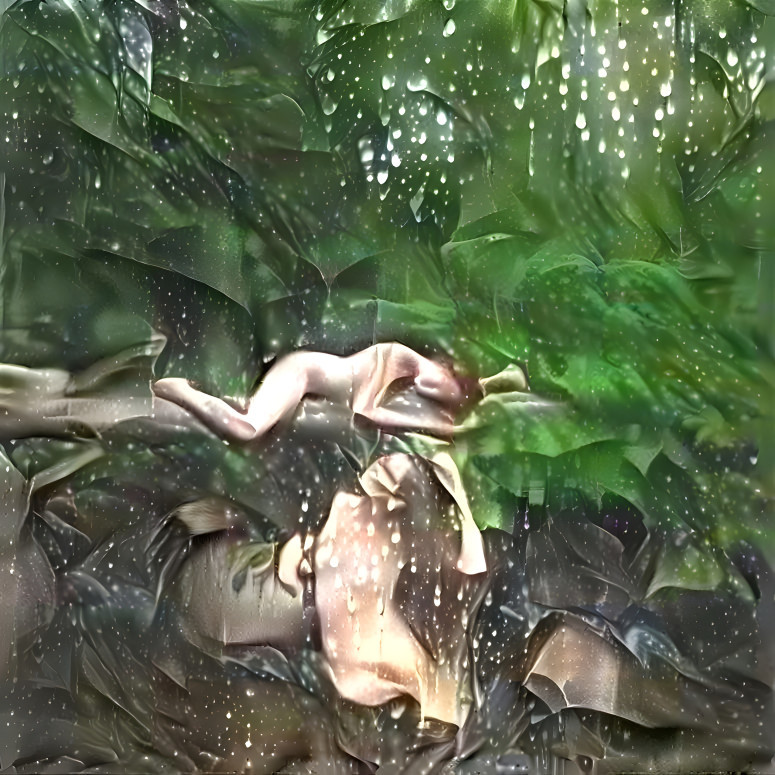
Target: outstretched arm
[433, 420]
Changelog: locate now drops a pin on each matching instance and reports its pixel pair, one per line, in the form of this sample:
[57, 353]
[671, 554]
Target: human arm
[396, 387]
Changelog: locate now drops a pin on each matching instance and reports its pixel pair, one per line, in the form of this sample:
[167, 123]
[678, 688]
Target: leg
[282, 390]
[277, 397]
[217, 415]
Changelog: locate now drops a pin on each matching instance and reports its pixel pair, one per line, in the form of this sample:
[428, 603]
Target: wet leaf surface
[195, 191]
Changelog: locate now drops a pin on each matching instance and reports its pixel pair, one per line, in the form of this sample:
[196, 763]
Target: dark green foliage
[584, 189]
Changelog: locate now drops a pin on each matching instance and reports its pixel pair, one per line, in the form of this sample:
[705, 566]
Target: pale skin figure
[369, 537]
[362, 382]
[366, 544]
[393, 533]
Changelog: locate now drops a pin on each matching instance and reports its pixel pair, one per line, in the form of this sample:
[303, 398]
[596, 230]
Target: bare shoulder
[304, 362]
[393, 354]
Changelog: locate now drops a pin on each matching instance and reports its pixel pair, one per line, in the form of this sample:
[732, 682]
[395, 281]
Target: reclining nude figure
[390, 569]
[361, 383]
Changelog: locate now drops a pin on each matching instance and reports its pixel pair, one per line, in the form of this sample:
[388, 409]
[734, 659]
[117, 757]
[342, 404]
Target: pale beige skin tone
[368, 538]
[359, 381]
[365, 544]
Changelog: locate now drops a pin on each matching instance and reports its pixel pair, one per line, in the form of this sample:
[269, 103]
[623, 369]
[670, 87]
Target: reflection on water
[369, 625]
[386, 387]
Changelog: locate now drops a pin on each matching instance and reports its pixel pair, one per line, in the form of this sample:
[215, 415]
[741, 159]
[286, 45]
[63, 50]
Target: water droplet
[581, 121]
[415, 203]
[417, 84]
[449, 28]
[367, 153]
[328, 105]
[382, 177]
